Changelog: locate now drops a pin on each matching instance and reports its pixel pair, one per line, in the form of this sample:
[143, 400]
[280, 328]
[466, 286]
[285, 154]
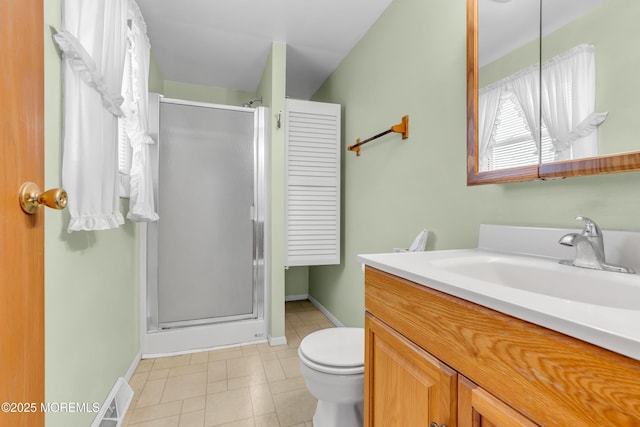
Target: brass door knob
[31, 198]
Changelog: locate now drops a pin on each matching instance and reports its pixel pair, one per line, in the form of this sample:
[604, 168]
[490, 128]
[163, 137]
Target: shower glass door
[206, 239]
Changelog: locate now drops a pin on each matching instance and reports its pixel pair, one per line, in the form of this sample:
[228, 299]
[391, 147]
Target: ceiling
[508, 25]
[226, 43]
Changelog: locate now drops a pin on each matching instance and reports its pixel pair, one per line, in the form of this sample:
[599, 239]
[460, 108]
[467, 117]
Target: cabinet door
[477, 408]
[404, 385]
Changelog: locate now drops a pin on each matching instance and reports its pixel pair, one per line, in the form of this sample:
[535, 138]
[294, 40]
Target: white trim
[200, 350]
[326, 312]
[300, 297]
[133, 366]
[274, 341]
[120, 396]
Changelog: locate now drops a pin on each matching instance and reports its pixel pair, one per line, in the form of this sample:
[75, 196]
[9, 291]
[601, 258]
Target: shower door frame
[207, 333]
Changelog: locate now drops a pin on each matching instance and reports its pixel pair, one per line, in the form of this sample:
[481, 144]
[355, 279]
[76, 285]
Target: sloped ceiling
[225, 43]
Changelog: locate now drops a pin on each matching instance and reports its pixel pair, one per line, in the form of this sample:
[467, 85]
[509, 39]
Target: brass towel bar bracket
[402, 127]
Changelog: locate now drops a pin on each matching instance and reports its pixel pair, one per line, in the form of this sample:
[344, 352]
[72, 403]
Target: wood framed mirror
[601, 117]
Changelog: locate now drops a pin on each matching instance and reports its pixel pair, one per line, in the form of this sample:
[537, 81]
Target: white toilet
[332, 363]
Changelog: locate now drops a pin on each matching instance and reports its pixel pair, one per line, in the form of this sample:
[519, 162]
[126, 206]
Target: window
[514, 145]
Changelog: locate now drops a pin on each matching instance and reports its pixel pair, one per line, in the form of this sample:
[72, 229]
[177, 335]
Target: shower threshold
[204, 322]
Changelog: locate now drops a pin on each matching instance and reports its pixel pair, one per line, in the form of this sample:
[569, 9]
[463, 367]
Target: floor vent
[115, 406]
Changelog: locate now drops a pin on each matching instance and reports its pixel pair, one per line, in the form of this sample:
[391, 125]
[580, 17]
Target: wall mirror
[551, 90]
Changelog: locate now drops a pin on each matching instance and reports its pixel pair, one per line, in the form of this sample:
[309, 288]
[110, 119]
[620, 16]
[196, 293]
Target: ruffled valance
[82, 63]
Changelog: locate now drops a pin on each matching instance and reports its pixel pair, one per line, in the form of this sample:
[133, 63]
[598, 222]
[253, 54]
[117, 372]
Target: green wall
[296, 281]
[413, 61]
[272, 88]
[91, 281]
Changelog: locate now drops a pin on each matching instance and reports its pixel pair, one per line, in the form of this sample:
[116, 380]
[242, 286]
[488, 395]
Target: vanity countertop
[612, 323]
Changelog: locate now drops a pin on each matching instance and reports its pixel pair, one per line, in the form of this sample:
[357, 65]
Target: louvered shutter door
[312, 183]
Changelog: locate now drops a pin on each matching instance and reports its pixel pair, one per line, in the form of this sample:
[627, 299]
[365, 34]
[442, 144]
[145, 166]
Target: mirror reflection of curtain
[488, 106]
[559, 96]
[526, 87]
[568, 103]
[521, 88]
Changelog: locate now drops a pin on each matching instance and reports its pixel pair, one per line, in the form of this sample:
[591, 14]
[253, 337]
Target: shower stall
[204, 260]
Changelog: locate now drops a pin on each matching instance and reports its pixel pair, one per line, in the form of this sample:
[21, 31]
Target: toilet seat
[338, 351]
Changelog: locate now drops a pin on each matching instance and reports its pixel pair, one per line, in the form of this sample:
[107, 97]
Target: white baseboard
[274, 341]
[300, 297]
[133, 366]
[324, 311]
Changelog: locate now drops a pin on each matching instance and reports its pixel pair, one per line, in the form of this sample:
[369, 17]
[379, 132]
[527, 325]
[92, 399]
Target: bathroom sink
[547, 277]
[515, 271]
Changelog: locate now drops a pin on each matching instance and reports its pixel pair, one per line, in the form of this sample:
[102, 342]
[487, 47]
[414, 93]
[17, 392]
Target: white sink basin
[599, 307]
[547, 277]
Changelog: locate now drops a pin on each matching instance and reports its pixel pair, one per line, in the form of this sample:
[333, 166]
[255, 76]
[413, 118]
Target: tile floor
[249, 386]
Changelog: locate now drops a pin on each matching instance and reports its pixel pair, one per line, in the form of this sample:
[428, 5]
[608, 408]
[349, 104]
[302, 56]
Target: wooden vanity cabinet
[405, 386]
[434, 358]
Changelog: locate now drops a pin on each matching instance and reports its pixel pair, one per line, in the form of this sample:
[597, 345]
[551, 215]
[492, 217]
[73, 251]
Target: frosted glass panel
[205, 196]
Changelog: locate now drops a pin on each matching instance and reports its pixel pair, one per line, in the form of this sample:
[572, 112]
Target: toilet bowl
[332, 364]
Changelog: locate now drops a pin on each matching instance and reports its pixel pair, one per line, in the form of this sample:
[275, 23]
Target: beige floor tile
[192, 419]
[185, 387]
[249, 350]
[217, 387]
[144, 365]
[294, 407]
[200, 357]
[289, 352]
[244, 382]
[306, 330]
[193, 404]
[271, 355]
[138, 380]
[217, 371]
[293, 340]
[249, 422]
[200, 368]
[225, 354]
[266, 348]
[155, 412]
[267, 420]
[172, 361]
[287, 385]
[151, 393]
[273, 370]
[256, 385]
[291, 366]
[158, 374]
[261, 399]
[311, 316]
[162, 422]
[228, 406]
[244, 367]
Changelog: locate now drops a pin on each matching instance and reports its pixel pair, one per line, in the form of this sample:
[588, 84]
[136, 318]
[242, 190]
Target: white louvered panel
[312, 183]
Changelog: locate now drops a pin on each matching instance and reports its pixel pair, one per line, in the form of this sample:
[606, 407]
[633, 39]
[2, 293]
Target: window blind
[312, 183]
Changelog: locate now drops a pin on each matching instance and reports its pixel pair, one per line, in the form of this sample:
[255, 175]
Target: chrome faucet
[589, 248]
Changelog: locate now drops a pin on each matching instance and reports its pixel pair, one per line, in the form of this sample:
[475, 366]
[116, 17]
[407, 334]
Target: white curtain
[488, 107]
[135, 122]
[93, 41]
[526, 87]
[568, 103]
